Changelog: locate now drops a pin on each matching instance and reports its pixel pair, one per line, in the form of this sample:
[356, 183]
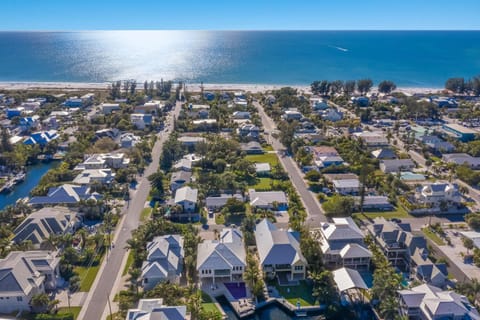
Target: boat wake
[339, 48]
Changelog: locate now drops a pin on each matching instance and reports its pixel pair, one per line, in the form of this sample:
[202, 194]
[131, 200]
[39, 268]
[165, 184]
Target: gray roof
[21, 272]
[262, 167]
[346, 279]
[181, 176]
[341, 229]
[384, 153]
[221, 200]
[40, 224]
[153, 309]
[186, 194]
[397, 164]
[277, 246]
[164, 256]
[266, 198]
[225, 253]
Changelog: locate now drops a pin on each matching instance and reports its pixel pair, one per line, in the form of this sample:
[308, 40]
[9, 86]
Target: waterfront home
[164, 261]
[241, 115]
[150, 309]
[190, 141]
[183, 165]
[248, 130]
[318, 104]
[41, 224]
[187, 198]
[346, 186]
[140, 121]
[217, 202]
[342, 245]
[432, 303]
[108, 108]
[396, 165]
[384, 153]
[252, 147]
[269, 200]
[94, 176]
[24, 274]
[292, 115]
[42, 138]
[129, 140]
[462, 159]
[460, 132]
[103, 161]
[279, 252]
[66, 194]
[436, 193]
[179, 179]
[223, 259]
[347, 279]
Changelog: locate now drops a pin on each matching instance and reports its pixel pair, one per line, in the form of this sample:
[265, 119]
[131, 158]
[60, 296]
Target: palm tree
[134, 275]
[40, 302]
[195, 305]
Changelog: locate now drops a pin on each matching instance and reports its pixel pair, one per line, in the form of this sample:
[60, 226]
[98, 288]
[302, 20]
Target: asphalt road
[96, 301]
[311, 204]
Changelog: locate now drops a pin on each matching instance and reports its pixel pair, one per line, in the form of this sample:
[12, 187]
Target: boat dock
[12, 181]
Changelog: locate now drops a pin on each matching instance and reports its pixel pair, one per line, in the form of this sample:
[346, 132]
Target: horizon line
[244, 30]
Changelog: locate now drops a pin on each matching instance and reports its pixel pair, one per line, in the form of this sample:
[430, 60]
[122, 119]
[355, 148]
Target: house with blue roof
[27, 123]
[14, 112]
[41, 138]
[280, 253]
[67, 194]
[223, 259]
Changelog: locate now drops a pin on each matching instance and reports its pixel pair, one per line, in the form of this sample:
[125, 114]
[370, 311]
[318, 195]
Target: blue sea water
[410, 58]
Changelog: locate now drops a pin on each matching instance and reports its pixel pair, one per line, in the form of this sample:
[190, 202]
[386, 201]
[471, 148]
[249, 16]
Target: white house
[279, 252]
[342, 245]
[153, 309]
[91, 176]
[108, 108]
[437, 192]
[346, 186]
[268, 200]
[104, 160]
[187, 198]
[241, 115]
[431, 303]
[223, 259]
[292, 115]
[164, 261]
[24, 274]
[396, 165]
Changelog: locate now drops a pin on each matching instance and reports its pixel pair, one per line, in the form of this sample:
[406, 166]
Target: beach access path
[112, 267]
[315, 212]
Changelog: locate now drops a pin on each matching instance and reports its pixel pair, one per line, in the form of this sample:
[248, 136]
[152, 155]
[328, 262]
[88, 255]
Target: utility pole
[109, 307]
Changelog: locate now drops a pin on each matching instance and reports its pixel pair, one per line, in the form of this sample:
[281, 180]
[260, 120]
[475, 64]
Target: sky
[240, 15]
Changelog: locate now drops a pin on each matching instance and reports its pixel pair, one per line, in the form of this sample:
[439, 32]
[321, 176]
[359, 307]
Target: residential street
[313, 207]
[96, 301]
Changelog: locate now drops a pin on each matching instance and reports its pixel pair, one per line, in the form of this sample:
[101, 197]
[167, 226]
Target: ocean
[409, 58]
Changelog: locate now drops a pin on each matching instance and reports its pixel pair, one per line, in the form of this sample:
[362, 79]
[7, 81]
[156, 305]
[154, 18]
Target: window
[145, 280]
[297, 268]
[19, 299]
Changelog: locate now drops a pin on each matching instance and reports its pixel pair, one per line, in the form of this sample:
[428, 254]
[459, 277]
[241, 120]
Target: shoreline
[194, 87]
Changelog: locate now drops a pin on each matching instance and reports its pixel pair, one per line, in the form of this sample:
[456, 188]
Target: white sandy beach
[192, 87]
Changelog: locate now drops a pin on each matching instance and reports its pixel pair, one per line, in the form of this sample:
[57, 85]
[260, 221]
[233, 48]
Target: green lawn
[231, 219]
[88, 275]
[398, 213]
[263, 184]
[145, 215]
[208, 305]
[302, 293]
[266, 157]
[268, 147]
[433, 236]
[128, 264]
[74, 310]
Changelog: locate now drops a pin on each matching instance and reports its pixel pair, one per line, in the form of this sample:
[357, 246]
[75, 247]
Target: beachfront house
[342, 245]
[46, 222]
[223, 259]
[66, 194]
[164, 261]
[23, 274]
[153, 309]
[432, 303]
[269, 200]
[279, 252]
